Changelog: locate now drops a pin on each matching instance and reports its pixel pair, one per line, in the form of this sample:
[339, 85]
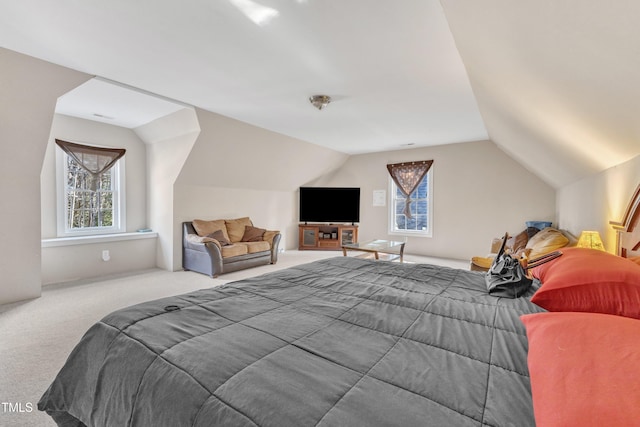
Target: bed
[355, 342]
[343, 341]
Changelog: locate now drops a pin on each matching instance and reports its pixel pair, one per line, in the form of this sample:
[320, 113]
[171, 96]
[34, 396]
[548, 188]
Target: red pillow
[584, 369]
[635, 259]
[589, 280]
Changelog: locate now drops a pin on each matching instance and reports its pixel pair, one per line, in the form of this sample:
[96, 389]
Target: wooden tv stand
[328, 237]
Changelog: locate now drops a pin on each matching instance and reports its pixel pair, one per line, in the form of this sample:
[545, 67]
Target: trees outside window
[90, 190]
[89, 199]
[419, 222]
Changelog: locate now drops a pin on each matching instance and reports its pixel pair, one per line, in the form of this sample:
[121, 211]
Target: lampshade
[591, 240]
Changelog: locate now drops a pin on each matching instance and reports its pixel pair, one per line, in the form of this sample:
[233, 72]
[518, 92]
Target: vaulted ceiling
[554, 84]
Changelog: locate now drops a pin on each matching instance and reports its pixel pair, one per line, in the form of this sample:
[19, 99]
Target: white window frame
[392, 199]
[119, 197]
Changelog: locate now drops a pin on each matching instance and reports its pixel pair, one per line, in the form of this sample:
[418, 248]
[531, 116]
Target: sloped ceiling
[553, 83]
[392, 69]
[557, 82]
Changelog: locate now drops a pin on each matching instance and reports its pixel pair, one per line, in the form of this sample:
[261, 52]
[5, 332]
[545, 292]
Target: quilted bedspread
[338, 342]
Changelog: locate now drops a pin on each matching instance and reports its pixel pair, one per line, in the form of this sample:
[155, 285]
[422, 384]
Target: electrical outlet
[105, 255]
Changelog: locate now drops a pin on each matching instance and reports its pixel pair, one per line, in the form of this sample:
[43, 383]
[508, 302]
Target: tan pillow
[545, 241]
[253, 234]
[235, 228]
[269, 235]
[220, 237]
[204, 228]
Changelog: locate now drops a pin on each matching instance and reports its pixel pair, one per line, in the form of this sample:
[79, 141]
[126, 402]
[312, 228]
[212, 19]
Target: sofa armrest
[195, 242]
[215, 252]
[275, 241]
[201, 254]
[203, 257]
[269, 235]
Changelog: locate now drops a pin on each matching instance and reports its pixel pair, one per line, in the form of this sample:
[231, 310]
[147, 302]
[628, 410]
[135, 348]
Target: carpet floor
[36, 336]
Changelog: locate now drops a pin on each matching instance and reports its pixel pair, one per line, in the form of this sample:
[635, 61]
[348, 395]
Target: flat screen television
[330, 204]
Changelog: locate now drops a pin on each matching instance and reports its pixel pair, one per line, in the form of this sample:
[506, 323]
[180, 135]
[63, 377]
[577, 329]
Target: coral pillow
[589, 280]
[584, 369]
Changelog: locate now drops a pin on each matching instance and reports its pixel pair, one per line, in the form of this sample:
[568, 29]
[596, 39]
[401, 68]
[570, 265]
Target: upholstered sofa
[225, 245]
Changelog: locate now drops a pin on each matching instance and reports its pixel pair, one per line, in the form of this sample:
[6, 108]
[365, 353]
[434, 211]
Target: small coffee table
[381, 249]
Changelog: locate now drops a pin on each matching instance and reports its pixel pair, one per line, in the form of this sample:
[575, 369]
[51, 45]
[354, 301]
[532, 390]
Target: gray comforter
[338, 342]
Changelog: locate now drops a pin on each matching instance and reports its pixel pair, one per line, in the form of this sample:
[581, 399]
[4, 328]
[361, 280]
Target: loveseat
[225, 245]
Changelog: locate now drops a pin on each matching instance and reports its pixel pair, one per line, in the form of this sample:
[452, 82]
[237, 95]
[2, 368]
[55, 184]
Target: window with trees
[91, 190]
[411, 206]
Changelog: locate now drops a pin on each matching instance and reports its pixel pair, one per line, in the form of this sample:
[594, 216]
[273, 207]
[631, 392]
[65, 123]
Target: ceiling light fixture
[320, 101]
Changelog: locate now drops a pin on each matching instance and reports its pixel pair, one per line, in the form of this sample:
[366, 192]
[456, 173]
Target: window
[421, 207]
[89, 203]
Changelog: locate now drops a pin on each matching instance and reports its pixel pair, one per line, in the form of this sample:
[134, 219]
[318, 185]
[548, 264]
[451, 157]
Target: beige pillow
[545, 241]
[204, 228]
[235, 228]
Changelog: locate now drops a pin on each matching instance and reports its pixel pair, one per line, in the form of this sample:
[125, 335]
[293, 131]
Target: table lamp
[591, 240]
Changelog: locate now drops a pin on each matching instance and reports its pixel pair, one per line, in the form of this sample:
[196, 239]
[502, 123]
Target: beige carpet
[36, 336]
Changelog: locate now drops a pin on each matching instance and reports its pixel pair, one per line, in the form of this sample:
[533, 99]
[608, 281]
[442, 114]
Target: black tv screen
[329, 204]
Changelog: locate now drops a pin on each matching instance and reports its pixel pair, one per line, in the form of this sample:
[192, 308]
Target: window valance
[94, 160]
[407, 176]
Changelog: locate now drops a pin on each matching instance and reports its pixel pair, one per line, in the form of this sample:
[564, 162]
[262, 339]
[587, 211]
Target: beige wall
[29, 89]
[244, 156]
[589, 204]
[78, 262]
[169, 141]
[479, 193]
[236, 169]
[273, 210]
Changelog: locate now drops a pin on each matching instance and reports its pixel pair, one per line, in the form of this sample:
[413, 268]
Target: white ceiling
[394, 73]
[108, 102]
[555, 84]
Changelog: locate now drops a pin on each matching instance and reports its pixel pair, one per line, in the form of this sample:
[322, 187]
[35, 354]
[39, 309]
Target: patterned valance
[95, 160]
[407, 177]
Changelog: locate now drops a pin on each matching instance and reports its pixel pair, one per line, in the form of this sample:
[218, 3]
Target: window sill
[411, 233]
[102, 238]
